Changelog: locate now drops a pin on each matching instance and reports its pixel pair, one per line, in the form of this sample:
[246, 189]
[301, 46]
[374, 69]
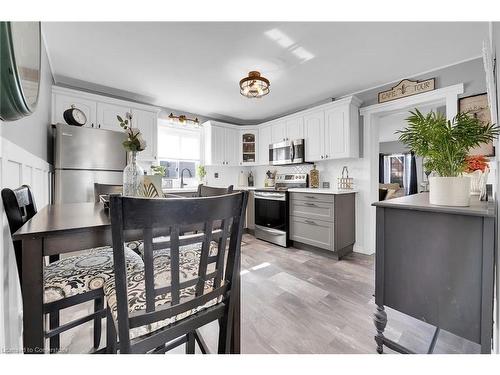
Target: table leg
[32, 280]
[380, 321]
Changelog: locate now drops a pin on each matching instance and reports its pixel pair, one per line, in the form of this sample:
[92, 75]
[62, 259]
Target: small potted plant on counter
[201, 172]
[445, 144]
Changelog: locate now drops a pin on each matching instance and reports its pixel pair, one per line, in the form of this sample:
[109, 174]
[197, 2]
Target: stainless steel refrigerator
[84, 156]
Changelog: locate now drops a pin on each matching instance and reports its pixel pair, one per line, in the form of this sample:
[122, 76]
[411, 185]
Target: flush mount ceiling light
[254, 86]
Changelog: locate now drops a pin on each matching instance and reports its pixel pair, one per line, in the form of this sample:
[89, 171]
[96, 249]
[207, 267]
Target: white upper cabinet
[106, 115]
[101, 112]
[263, 144]
[221, 144]
[249, 139]
[332, 131]
[232, 143]
[295, 128]
[342, 131]
[314, 130]
[147, 123]
[278, 132]
[61, 103]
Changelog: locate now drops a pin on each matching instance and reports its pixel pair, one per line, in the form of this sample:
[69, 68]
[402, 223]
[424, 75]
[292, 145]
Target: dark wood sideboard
[436, 264]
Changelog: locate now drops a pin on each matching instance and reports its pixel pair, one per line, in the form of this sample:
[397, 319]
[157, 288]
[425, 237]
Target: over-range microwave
[287, 152]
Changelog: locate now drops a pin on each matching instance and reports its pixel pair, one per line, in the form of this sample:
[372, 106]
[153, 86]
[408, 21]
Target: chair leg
[111, 341]
[98, 305]
[53, 324]
[224, 335]
[190, 343]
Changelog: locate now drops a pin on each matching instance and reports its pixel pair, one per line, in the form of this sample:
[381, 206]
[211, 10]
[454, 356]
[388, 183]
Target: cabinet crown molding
[103, 98]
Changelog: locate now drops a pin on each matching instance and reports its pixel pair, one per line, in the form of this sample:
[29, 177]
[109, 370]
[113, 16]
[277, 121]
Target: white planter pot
[449, 191]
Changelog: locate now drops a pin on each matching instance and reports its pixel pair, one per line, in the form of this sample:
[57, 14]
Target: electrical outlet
[326, 185]
[216, 175]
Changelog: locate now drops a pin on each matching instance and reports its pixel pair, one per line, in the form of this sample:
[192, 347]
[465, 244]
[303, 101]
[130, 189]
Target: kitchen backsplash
[329, 172]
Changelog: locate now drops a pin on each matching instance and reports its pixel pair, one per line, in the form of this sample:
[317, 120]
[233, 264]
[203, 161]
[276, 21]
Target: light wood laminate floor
[301, 301]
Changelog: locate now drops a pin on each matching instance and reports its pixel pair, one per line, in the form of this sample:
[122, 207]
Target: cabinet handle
[99, 126]
[310, 204]
[310, 196]
[321, 156]
[92, 124]
[326, 156]
[310, 222]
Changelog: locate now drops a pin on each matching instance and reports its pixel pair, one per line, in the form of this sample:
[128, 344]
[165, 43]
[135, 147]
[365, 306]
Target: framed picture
[477, 106]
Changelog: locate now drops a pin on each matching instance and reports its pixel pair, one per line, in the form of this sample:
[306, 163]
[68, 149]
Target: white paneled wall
[17, 167]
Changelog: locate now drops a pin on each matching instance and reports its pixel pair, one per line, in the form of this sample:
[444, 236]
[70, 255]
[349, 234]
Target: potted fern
[444, 145]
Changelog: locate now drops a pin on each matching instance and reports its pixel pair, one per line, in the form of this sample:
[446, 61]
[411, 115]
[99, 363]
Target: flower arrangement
[134, 142]
[476, 163]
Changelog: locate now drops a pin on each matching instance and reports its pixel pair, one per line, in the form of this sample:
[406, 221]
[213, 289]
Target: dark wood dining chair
[69, 281]
[186, 282]
[210, 191]
[106, 189]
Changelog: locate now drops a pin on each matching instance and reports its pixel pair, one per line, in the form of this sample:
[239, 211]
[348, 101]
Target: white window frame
[186, 129]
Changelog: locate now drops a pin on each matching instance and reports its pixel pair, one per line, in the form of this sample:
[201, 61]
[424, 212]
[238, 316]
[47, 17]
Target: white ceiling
[195, 67]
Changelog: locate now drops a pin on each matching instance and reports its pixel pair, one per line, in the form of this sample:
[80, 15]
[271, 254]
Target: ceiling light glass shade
[254, 86]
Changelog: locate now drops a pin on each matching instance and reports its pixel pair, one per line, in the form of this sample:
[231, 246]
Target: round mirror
[19, 69]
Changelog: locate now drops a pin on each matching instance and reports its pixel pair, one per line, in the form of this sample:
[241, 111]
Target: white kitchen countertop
[301, 190]
[320, 191]
[180, 190]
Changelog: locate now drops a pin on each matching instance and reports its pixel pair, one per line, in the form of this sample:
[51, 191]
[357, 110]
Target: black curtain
[413, 175]
[381, 168]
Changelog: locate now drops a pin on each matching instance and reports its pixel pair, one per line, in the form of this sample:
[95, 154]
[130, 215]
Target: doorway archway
[447, 96]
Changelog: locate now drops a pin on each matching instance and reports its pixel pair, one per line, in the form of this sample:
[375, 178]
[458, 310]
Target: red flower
[475, 163]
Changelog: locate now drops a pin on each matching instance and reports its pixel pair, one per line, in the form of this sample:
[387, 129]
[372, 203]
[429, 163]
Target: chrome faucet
[182, 176]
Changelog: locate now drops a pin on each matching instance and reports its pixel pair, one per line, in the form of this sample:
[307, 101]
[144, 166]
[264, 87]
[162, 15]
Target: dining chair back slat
[205, 249]
[210, 191]
[149, 269]
[174, 262]
[193, 291]
[19, 207]
[106, 189]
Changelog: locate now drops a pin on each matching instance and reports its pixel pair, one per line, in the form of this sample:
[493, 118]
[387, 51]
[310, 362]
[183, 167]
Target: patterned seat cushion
[82, 273]
[189, 257]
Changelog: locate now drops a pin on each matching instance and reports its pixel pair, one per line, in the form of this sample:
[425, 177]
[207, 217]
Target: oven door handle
[292, 152]
[273, 232]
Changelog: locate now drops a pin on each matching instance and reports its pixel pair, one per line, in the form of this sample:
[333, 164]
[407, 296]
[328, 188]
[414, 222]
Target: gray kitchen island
[436, 264]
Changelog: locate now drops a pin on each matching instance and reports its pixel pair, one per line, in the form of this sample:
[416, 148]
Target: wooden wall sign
[406, 88]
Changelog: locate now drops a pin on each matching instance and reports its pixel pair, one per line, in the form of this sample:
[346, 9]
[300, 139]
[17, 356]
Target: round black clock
[74, 116]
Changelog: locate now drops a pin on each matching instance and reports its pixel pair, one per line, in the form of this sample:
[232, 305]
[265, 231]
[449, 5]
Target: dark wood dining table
[59, 229]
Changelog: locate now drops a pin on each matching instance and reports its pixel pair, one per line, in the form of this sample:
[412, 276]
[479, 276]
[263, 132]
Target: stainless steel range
[271, 208]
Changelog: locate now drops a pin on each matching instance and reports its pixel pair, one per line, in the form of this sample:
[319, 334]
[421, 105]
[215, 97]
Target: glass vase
[132, 177]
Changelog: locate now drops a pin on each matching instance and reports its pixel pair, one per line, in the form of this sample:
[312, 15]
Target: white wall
[33, 132]
[25, 153]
